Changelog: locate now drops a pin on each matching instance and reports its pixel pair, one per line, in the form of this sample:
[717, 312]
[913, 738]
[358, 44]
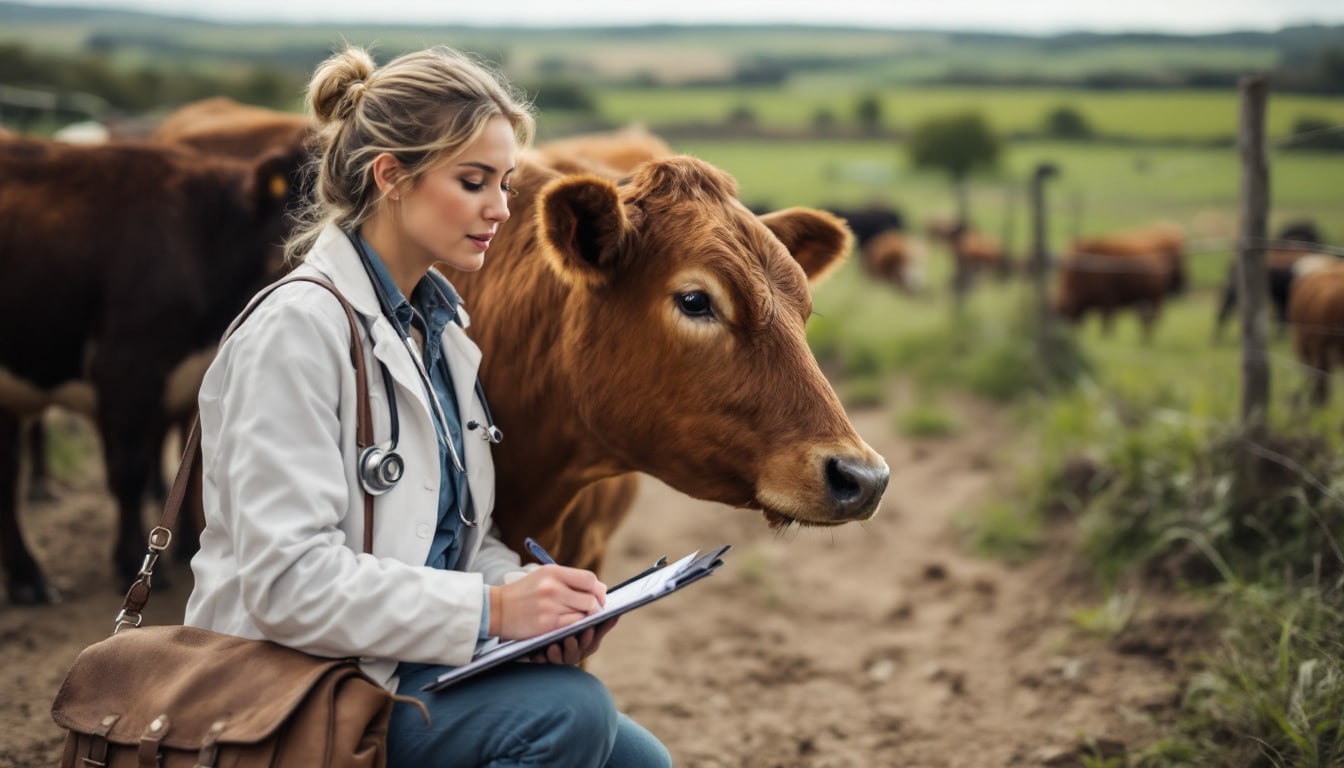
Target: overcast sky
[1030, 16]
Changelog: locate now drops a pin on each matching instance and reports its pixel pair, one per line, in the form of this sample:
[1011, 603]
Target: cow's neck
[548, 455]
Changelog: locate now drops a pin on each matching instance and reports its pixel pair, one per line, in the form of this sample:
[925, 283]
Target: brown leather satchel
[183, 696]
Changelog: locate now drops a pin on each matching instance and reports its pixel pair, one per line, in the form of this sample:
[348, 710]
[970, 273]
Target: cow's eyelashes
[695, 304]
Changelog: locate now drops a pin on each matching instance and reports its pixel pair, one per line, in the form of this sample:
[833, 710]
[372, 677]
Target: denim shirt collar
[436, 300]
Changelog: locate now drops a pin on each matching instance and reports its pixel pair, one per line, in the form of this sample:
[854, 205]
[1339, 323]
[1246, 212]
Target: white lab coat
[281, 555]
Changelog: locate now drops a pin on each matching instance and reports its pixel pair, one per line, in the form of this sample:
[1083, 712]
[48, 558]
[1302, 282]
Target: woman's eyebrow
[483, 166]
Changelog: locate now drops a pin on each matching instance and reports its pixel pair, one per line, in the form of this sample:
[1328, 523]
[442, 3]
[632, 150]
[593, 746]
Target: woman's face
[452, 212]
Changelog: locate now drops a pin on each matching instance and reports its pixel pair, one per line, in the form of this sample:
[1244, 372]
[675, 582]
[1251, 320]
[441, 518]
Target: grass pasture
[1189, 116]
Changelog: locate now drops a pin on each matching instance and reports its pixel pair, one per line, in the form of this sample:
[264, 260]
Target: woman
[414, 165]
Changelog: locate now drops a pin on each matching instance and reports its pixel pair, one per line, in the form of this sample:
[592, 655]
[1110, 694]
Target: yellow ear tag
[279, 186]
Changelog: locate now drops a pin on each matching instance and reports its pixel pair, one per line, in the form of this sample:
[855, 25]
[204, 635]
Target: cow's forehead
[727, 241]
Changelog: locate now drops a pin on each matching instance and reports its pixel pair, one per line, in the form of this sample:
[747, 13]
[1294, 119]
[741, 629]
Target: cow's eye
[695, 304]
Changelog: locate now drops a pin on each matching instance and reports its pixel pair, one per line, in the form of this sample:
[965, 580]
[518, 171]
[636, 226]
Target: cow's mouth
[778, 521]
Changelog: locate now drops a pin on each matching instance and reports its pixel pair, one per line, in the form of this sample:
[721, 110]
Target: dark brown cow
[123, 264]
[1283, 265]
[657, 326]
[217, 126]
[222, 126]
[1316, 313]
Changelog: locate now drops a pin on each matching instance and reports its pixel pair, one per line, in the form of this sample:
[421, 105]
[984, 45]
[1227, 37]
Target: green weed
[926, 420]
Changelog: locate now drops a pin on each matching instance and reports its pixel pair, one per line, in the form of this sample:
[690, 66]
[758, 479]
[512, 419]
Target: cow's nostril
[841, 479]
[856, 487]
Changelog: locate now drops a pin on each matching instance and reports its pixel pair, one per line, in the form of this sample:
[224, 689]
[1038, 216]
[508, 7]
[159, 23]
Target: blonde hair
[421, 107]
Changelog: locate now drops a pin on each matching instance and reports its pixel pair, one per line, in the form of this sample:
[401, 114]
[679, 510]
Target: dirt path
[885, 644]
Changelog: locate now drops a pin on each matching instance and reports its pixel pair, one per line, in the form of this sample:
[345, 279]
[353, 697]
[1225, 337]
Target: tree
[868, 113]
[1067, 123]
[823, 120]
[563, 95]
[956, 144]
[1316, 133]
[1331, 70]
[742, 116]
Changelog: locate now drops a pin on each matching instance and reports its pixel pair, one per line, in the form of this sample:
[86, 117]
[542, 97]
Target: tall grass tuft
[1272, 693]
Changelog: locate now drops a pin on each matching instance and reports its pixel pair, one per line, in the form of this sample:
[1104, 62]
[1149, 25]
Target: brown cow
[1087, 282]
[1162, 239]
[973, 252]
[123, 263]
[222, 126]
[657, 326]
[613, 153]
[890, 257]
[1316, 313]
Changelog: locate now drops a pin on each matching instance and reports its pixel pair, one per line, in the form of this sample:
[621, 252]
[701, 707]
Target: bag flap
[192, 675]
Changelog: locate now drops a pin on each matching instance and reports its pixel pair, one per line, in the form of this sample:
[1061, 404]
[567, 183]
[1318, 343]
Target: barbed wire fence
[1248, 282]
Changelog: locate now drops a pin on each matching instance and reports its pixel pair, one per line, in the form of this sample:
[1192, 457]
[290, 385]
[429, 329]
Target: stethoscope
[380, 466]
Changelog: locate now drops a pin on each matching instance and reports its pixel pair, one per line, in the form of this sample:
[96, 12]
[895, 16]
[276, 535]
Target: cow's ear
[274, 182]
[818, 240]
[582, 225]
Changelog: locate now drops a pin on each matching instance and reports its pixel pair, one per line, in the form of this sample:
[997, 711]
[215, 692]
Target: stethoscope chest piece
[380, 469]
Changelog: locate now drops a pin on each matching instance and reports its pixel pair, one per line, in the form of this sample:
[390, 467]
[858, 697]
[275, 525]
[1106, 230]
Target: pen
[537, 551]
[661, 562]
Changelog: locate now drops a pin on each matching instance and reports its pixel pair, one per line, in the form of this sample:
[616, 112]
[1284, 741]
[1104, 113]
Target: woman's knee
[581, 708]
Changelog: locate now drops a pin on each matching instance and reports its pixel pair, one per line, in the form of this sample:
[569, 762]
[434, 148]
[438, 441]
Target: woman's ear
[387, 174]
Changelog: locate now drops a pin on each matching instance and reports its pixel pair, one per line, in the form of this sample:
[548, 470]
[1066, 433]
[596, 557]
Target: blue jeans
[519, 714]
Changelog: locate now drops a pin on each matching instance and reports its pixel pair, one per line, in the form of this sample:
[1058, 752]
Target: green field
[1099, 188]
[1192, 116]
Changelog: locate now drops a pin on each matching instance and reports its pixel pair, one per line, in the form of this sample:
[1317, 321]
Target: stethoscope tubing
[490, 432]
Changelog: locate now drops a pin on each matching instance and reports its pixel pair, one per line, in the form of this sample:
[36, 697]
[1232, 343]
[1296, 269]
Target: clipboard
[653, 584]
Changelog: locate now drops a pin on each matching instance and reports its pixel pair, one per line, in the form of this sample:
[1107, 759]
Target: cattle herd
[125, 260]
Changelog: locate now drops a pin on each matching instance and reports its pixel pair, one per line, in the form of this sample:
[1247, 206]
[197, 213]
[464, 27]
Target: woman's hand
[548, 598]
[574, 648]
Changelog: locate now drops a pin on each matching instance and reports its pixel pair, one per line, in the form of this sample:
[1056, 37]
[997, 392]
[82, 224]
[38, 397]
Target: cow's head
[684, 328]
[277, 188]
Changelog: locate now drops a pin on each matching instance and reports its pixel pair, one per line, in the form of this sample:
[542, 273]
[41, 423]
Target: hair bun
[339, 85]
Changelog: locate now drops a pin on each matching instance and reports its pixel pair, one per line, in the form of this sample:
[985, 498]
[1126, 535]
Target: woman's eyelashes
[477, 186]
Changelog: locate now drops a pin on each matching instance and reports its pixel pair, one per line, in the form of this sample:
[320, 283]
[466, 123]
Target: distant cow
[1283, 265]
[123, 263]
[894, 258]
[869, 221]
[1087, 282]
[652, 324]
[1163, 240]
[973, 252]
[1316, 312]
[885, 250]
[222, 126]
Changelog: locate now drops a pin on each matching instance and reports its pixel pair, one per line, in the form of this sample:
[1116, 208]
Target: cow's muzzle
[855, 486]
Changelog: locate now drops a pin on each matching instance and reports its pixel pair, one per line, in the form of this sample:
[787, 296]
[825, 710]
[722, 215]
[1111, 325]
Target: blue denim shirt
[431, 309]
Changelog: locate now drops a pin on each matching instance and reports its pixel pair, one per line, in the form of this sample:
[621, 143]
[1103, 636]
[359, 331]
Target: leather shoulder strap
[188, 479]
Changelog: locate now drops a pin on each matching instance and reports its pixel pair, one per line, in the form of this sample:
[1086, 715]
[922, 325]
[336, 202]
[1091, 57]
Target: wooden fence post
[1251, 262]
[1040, 257]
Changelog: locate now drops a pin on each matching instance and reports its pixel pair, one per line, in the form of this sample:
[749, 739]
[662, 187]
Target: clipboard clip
[662, 561]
